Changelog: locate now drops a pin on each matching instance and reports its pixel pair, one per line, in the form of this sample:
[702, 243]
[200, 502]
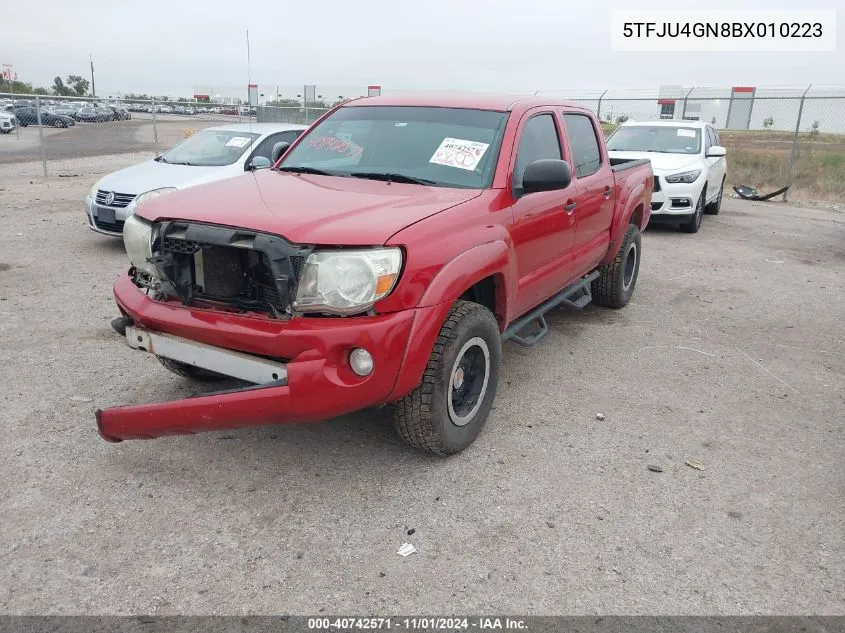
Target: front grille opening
[118, 200]
[223, 268]
[236, 276]
[114, 227]
[657, 183]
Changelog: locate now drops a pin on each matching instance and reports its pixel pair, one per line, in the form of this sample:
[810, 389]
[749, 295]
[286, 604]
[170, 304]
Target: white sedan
[212, 154]
[689, 167]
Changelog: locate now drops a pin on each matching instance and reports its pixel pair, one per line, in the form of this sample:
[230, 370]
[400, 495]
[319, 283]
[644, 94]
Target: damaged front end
[215, 266]
[234, 271]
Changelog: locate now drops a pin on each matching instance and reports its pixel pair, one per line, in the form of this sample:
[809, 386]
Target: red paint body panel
[450, 239]
[320, 381]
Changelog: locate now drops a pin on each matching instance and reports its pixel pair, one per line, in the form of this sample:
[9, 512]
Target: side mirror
[717, 151]
[547, 174]
[258, 162]
[279, 149]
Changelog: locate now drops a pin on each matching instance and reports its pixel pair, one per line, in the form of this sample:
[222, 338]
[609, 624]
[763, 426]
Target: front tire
[189, 371]
[694, 223]
[715, 206]
[618, 279]
[447, 411]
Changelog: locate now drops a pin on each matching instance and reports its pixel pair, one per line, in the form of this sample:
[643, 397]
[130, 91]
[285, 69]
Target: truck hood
[153, 174]
[309, 209]
[668, 163]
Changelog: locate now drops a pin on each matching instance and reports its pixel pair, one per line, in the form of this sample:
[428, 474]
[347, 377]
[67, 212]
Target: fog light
[361, 361]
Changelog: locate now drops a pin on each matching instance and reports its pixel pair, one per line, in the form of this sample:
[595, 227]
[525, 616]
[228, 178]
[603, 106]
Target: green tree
[59, 87]
[621, 119]
[16, 87]
[814, 129]
[768, 122]
[285, 103]
[79, 85]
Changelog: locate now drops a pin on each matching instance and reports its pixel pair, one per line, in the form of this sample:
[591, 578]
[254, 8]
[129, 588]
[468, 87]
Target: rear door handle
[569, 208]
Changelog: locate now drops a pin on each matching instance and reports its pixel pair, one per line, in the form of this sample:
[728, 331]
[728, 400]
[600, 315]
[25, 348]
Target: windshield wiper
[306, 170]
[374, 175]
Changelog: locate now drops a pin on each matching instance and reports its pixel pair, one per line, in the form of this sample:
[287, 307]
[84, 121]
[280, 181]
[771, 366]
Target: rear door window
[584, 145]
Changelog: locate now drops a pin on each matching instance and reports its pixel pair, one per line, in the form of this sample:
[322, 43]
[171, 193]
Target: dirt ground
[732, 353]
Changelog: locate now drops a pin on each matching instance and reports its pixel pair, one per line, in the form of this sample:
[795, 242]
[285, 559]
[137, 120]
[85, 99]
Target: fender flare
[469, 268]
[635, 198]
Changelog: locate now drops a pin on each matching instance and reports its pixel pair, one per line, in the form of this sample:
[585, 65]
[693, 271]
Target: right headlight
[347, 281]
[137, 238]
[687, 176]
[149, 195]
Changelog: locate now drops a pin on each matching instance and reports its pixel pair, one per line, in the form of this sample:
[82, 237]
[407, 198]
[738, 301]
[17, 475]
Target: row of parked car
[58, 114]
[190, 109]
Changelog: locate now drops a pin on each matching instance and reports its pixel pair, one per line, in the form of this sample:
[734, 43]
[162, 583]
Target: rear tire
[189, 371]
[618, 279]
[447, 411]
[694, 223]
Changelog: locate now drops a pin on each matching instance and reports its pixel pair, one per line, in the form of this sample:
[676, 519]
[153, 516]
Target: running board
[528, 330]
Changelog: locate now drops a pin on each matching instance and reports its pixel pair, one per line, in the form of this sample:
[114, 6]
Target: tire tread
[412, 415]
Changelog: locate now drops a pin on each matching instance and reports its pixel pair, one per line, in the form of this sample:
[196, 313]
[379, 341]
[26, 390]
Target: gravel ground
[732, 353]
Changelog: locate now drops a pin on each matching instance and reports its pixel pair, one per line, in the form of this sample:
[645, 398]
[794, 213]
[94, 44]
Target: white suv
[689, 167]
[8, 122]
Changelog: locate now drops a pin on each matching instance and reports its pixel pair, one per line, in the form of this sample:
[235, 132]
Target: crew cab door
[595, 197]
[543, 228]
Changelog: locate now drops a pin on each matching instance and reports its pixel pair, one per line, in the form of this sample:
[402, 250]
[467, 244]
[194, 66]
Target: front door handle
[607, 192]
[570, 207]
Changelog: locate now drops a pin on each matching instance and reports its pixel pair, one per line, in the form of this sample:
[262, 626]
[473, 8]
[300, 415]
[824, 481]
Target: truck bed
[621, 164]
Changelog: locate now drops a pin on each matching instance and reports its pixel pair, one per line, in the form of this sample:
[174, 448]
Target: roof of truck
[479, 101]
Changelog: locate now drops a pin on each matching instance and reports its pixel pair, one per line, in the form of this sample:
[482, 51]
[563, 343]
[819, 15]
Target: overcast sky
[172, 46]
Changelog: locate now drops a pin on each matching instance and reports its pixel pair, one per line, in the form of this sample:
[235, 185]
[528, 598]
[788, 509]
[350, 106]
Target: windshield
[655, 138]
[210, 148]
[448, 147]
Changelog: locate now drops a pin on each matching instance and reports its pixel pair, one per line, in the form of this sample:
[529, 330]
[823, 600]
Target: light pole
[93, 91]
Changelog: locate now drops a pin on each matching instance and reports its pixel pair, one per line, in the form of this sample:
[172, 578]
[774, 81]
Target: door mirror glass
[279, 149]
[546, 174]
[717, 151]
[259, 162]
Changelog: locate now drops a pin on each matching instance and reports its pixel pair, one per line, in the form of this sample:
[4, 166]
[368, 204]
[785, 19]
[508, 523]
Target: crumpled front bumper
[319, 382]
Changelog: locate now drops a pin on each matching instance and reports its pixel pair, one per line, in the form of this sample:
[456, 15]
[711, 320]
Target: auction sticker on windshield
[455, 152]
[686, 132]
[237, 141]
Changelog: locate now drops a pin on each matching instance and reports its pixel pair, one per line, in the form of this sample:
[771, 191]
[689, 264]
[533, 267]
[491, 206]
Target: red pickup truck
[383, 259]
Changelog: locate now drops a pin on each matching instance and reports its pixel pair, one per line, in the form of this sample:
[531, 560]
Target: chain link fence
[50, 136]
[774, 136]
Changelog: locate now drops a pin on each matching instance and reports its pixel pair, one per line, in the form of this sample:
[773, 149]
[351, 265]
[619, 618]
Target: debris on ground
[749, 193]
[599, 416]
[81, 399]
[693, 463]
[406, 550]
[655, 468]
[411, 531]
[551, 524]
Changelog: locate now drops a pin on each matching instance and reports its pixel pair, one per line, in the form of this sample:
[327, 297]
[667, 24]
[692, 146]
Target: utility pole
[93, 91]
